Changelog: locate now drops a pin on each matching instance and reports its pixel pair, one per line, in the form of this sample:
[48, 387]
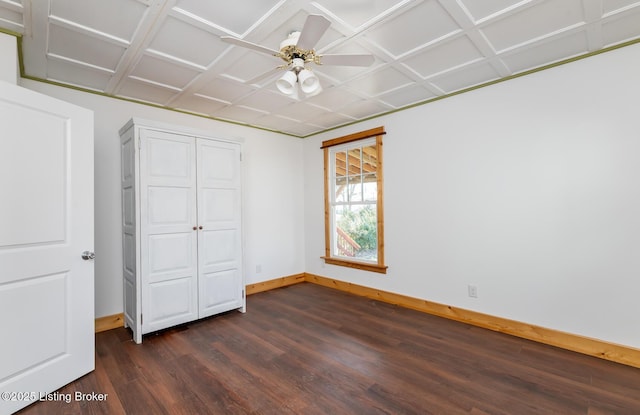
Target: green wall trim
[417, 104]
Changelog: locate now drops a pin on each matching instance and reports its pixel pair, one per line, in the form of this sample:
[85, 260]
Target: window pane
[355, 189]
[370, 187]
[341, 190]
[369, 159]
[356, 232]
[354, 161]
[341, 164]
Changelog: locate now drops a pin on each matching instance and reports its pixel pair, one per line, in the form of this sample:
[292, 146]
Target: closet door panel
[170, 208]
[169, 301]
[170, 256]
[220, 207]
[169, 158]
[216, 290]
[220, 240]
[169, 264]
[219, 249]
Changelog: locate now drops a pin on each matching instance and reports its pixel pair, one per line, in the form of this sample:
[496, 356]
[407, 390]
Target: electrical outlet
[258, 269]
[473, 291]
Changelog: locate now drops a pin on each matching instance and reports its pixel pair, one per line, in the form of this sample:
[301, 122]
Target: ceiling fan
[297, 50]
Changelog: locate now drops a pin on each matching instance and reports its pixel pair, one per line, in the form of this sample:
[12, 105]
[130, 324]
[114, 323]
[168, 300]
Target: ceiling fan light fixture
[309, 82]
[287, 83]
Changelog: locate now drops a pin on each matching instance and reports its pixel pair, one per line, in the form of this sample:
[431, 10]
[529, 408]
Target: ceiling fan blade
[347, 60]
[249, 45]
[312, 31]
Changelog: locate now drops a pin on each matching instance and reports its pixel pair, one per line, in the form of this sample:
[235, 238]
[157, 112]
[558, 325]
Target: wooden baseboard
[272, 284]
[593, 347]
[109, 322]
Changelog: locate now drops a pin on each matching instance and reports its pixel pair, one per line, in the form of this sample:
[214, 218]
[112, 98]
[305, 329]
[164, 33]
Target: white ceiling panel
[163, 72]
[278, 123]
[251, 65]
[239, 112]
[357, 13]
[363, 109]
[77, 75]
[407, 96]
[300, 111]
[200, 105]
[609, 6]
[86, 49]
[119, 18]
[380, 82]
[328, 119]
[236, 17]
[621, 27]
[143, 91]
[546, 52]
[225, 90]
[466, 77]
[428, 21]
[444, 56]
[182, 41]
[529, 24]
[300, 129]
[335, 98]
[11, 15]
[169, 52]
[266, 100]
[480, 10]
[340, 74]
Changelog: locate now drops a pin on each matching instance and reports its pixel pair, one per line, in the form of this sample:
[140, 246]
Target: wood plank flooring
[307, 349]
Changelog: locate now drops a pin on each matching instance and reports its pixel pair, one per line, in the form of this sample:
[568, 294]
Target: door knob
[87, 255]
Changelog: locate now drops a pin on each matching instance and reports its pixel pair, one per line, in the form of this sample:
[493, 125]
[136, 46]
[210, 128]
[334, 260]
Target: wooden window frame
[380, 266]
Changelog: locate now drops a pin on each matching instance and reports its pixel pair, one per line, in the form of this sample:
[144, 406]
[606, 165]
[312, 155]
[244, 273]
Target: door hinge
[242, 293]
[141, 319]
[240, 156]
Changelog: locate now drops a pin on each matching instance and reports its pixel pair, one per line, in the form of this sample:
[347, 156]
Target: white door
[220, 239]
[168, 234]
[46, 222]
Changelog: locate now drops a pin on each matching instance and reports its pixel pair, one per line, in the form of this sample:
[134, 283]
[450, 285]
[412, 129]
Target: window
[354, 226]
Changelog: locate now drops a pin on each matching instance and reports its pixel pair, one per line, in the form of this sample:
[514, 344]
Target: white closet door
[46, 222]
[167, 237]
[220, 239]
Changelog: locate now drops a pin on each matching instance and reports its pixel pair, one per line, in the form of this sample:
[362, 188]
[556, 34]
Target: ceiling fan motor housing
[289, 51]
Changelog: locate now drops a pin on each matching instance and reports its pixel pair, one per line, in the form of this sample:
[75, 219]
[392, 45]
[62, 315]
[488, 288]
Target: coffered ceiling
[169, 52]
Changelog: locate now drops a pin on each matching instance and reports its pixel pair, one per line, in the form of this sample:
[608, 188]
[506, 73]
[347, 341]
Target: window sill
[382, 269]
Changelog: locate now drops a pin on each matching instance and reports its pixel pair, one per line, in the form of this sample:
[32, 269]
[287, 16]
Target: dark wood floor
[307, 349]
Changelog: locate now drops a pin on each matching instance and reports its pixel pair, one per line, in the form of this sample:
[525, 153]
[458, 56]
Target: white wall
[272, 194]
[528, 189]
